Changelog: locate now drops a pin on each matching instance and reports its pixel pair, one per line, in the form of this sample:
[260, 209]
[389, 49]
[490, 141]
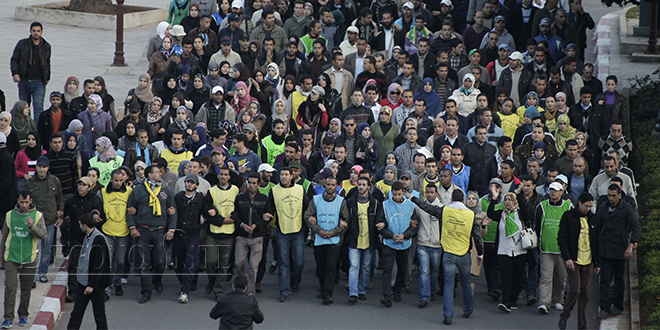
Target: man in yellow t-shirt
[578, 243]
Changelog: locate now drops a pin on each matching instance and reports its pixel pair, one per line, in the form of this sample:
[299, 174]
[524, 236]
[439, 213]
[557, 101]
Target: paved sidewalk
[80, 52]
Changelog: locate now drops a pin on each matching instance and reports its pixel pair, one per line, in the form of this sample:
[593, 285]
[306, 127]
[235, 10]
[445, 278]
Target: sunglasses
[349, 125]
[321, 78]
[396, 93]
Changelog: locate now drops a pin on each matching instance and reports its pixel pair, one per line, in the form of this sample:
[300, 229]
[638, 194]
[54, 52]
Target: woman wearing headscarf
[241, 98]
[511, 256]
[393, 99]
[473, 202]
[71, 91]
[530, 113]
[200, 94]
[160, 60]
[584, 150]
[141, 94]
[240, 73]
[71, 143]
[21, 122]
[12, 144]
[106, 161]
[312, 114]
[466, 96]
[373, 151]
[177, 11]
[564, 132]
[213, 78]
[130, 139]
[162, 31]
[76, 126]
[181, 122]
[561, 99]
[197, 139]
[273, 77]
[95, 120]
[101, 90]
[168, 91]
[278, 112]
[226, 70]
[26, 159]
[156, 119]
[179, 101]
[181, 170]
[439, 129]
[262, 90]
[332, 97]
[445, 156]
[202, 52]
[184, 84]
[384, 132]
[191, 21]
[389, 159]
[551, 113]
[290, 86]
[433, 101]
[334, 128]
[401, 138]
[532, 100]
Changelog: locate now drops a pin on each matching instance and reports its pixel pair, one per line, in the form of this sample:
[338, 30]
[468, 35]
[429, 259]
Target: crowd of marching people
[443, 139]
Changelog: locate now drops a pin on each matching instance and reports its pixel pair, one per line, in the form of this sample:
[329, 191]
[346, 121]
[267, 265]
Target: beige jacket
[347, 86]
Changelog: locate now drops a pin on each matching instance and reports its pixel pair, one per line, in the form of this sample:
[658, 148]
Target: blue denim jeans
[359, 272]
[532, 272]
[450, 263]
[33, 92]
[293, 244]
[429, 267]
[118, 247]
[46, 245]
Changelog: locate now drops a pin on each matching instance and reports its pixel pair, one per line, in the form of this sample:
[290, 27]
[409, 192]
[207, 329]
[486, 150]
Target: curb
[603, 39]
[53, 304]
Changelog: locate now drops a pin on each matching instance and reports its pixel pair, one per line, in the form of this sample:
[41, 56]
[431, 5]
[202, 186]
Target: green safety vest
[21, 245]
[492, 228]
[550, 225]
[272, 148]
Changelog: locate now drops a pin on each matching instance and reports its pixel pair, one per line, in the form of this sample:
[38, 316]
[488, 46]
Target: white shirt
[347, 48]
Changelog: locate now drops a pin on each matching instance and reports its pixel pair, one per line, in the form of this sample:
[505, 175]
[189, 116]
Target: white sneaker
[124, 281]
[183, 298]
[542, 309]
[559, 307]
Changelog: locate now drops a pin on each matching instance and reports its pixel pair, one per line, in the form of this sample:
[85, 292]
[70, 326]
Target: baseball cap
[55, 94]
[225, 40]
[177, 50]
[516, 55]
[496, 181]
[237, 4]
[426, 152]
[249, 128]
[233, 17]
[352, 29]
[545, 21]
[3, 138]
[446, 3]
[499, 18]
[134, 108]
[217, 89]
[295, 164]
[85, 180]
[325, 173]
[556, 186]
[43, 160]
[218, 150]
[192, 177]
[472, 52]
[503, 46]
[409, 5]
[561, 178]
[318, 90]
[266, 167]
[386, 110]
[405, 175]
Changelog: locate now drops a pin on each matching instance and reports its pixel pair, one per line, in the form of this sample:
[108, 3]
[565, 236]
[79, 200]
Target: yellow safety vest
[456, 230]
[114, 206]
[223, 201]
[173, 160]
[289, 206]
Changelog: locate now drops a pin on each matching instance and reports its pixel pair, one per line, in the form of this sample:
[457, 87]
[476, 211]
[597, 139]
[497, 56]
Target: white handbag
[529, 239]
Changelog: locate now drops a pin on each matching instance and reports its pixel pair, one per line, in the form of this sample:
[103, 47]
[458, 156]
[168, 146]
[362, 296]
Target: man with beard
[475, 61]
[269, 56]
[292, 62]
[248, 56]
[306, 43]
[292, 152]
[332, 33]
[233, 31]
[326, 218]
[539, 66]
[134, 115]
[384, 36]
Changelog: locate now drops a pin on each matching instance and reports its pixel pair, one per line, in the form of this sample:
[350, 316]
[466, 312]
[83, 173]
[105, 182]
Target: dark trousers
[578, 291]
[491, 268]
[611, 269]
[74, 254]
[512, 276]
[389, 256]
[150, 244]
[80, 304]
[185, 254]
[326, 257]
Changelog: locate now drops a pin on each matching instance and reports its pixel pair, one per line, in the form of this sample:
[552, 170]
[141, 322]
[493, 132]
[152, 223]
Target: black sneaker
[562, 324]
[362, 297]
[327, 301]
[466, 315]
[446, 321]
[386, 302]
[397, 296]
[34, 285]
[494, 294]
[504, 307]
[272, 268]
[407, 289]
[422, 303]
[257, 287]
[617, 311]
[513, 305]
[158, 287]
[295, 288]
[144, 299]
[209, 288]
[352, 300]
[106, 296]
[603, 314]
[531, 301]
[70, 298]
[119, 291]
[284, 298]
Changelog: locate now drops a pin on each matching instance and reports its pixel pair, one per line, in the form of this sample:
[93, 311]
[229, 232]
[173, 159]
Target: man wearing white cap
[350, 44]
[548, 215]
[215, 110]
[517, 79]
[246, 24]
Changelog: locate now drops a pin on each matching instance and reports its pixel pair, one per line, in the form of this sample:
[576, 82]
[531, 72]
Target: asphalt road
[305, 311]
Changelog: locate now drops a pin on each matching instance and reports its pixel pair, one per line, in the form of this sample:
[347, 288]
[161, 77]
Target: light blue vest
[327, 217]
[398, 220]
[462, 179]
